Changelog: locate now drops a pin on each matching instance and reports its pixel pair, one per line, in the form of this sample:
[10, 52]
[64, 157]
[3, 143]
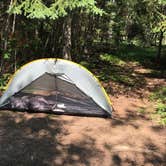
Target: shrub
[160, 97]
[3, 81]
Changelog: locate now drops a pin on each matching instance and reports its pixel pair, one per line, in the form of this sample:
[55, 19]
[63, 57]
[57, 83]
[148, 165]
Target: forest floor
[132, 137]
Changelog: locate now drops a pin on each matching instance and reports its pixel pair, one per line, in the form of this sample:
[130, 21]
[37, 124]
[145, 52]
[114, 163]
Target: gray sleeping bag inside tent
[56, 85]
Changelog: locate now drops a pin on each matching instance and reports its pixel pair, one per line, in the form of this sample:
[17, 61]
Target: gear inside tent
[57, 86]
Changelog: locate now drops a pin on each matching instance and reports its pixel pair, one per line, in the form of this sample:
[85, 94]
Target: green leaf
[6, 56]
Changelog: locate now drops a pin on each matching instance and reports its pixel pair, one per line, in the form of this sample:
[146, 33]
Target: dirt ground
[131, 137]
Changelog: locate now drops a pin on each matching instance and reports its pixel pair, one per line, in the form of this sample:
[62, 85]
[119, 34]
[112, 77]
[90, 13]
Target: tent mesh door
[55, 94]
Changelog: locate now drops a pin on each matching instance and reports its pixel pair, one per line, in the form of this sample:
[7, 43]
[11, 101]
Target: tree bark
[67, 38]
[76, 35]
[5, 27]
[158, 57]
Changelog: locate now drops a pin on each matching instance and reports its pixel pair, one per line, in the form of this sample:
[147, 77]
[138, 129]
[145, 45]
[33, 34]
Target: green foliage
[52, 9]
[6, 55]
[123, 79]
[160, 97]
[161, 26]
[157, 15]
[86, 64]
[3, 81]
[142, 110]
[112, 59]
[116, 69]
[161, 110]
[31, 9]
[137, 54]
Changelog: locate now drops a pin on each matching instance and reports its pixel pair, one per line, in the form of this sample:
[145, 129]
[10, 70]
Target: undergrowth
[4, 80]
[160, 97]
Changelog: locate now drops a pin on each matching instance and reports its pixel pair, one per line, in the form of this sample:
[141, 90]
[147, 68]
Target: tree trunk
[158, 57]
[67, 38]
[76, 35]
[89, 35]
[4, 40]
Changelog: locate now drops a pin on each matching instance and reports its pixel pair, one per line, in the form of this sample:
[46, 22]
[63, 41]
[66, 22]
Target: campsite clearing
[132, 137]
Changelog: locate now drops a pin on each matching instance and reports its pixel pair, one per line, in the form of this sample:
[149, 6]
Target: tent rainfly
[58, 86]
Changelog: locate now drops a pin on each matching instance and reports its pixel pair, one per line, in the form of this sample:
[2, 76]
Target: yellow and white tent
[56, 85]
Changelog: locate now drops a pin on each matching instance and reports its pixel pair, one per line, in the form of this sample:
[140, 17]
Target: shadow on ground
[128, 70]
[39, 139]
[139, 147]
[127, 73]
[34, 141]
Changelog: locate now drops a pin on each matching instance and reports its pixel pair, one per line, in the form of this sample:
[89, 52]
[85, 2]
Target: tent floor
[58, 104]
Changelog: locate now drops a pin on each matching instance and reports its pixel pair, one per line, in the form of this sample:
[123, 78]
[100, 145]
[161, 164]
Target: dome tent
[56, 85]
